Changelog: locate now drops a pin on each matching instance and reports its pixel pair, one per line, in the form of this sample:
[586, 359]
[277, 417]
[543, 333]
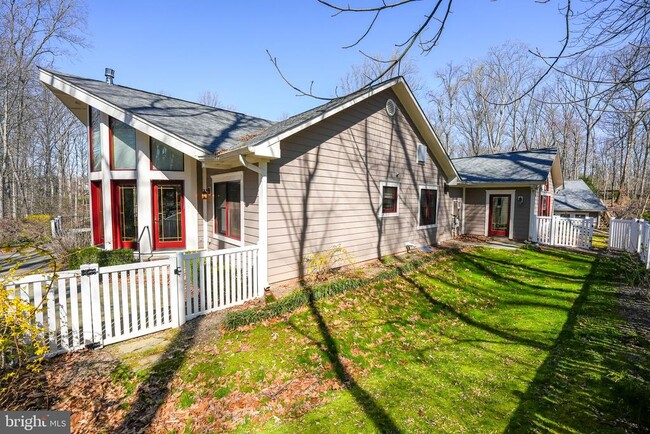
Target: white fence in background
[96, 306]
[564, 232]
[631, 236]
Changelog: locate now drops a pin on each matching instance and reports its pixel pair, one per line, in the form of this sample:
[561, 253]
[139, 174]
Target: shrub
[94, 255]
[22, 341]
[321, 264]
[9, 232]
[36, 228]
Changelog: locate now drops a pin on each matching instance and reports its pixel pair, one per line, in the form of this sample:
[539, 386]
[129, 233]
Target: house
[577, 200]
[503, 193]
[365, 171]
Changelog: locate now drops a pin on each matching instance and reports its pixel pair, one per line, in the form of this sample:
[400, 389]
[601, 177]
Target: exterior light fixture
[205, 194]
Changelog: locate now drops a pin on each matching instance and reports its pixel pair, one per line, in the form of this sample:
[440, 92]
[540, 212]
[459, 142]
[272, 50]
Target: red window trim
[110, 141]
[545, 199]
[154, 168]
[154, 209]
[435, 207]
[97, 209]
[117, 241]
[214, 211]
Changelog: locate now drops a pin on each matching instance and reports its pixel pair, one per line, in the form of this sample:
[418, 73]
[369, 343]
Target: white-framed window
[228, 207]
[427, 206]
[389, 206]
[422, 153]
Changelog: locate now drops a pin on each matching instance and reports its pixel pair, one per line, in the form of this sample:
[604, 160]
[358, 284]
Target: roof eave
[409, 102]
[58, 85]
[467, 184]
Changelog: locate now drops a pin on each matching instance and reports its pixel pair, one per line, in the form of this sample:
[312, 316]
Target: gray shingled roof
[215, 130]
[510, 167]
[306, 116]
[577, 196]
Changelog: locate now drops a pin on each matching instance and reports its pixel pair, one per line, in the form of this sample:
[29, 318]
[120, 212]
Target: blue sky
[186, 48]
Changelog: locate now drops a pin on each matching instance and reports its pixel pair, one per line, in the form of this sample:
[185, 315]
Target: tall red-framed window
[545, 205]
[97, 210]
[168, 214]
[227, 209]
[125, 214]
[428, 207]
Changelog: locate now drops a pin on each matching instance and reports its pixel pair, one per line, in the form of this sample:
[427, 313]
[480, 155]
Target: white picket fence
[96, 306]
[219, 279]
[564, 232]
[631, 236]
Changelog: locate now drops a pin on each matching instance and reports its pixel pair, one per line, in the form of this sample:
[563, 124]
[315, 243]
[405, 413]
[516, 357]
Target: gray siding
[325, 190]
[475, 211]
[521, 222]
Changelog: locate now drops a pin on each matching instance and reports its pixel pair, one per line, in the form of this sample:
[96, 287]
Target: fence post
[552, 231]
[639, 234]
[611, 232]
[589, 232]
[180, 288]
[90, 310]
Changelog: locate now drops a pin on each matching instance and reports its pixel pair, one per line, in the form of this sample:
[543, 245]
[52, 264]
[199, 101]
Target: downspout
[462, 211]
[262, 218]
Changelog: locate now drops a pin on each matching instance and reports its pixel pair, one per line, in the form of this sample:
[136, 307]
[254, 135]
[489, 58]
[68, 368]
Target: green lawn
[480, 341]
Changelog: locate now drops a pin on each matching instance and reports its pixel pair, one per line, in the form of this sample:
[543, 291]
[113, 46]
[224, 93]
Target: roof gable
[303, 120]
[522, 167]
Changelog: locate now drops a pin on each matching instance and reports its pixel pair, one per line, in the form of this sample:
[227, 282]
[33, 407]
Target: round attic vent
[391, 107]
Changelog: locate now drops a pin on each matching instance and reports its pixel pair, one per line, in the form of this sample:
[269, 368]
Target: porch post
[107, 188]
[263, 226]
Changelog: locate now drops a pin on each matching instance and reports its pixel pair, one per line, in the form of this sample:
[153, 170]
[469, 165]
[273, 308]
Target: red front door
[499, 215]
[168, 215]
[125, 214]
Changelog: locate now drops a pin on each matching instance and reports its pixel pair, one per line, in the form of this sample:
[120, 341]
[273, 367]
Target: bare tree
[31, 32]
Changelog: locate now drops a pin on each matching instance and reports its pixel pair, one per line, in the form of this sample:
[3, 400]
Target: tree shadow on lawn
[329, 347]
[479, 263]
[156, 387]
[583, 384]
[379, 417]
[444, 307]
